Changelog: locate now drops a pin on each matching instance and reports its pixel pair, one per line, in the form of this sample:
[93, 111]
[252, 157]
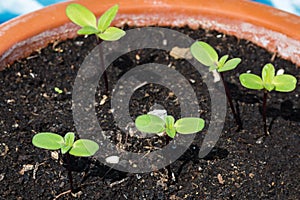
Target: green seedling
[84, 18]
[153, 124]
[208, 56]
[67, 146]
[149, 123]
[89, 24]
[268, 82]
[57, 90]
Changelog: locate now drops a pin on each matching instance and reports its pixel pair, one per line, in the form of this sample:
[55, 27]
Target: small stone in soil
[260, 140]
[280, 72]
[3, 149]
[162, 113]
[2, 176]
[216, 76]
[137, 57]
[180, 53]
[26, 168]
[138, 176]
[112, 159]
[10, 101]
[220, 179]
[103, 100]
[54, 155]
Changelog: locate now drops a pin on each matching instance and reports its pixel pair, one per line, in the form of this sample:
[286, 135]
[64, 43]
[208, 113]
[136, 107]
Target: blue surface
[292, 6]
[12, 8]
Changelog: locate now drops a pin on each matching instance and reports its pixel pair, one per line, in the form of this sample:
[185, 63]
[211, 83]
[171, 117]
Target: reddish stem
[265, 112]
[70, 172]
[229, 99]
[102, 64]
[168, 139]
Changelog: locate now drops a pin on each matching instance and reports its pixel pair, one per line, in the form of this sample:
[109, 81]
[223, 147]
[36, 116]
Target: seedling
[59, 91]
[84, 18]
[208, 56]
[67, 145]
[268, 82]
[149, 123]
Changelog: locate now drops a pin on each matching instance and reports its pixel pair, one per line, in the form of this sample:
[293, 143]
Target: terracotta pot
[268, 27]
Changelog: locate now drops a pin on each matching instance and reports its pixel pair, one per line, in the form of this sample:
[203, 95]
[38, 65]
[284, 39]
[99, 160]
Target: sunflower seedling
[67, 146]
[268, 82]
[84, 18]
[89, 24]
[150, 123]
[208, 56]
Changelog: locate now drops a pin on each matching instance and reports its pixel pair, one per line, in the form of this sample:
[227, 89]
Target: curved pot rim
[273, 29]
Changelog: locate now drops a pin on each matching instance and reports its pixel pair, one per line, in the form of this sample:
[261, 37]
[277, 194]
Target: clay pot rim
[18, 37]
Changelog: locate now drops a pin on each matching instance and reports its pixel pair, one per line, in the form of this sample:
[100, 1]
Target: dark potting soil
[243, 164]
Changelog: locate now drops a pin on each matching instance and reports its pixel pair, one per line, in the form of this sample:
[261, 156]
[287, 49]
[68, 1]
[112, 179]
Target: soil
[244, 164]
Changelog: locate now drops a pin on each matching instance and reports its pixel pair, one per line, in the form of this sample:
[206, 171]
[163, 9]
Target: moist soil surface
[244, 164]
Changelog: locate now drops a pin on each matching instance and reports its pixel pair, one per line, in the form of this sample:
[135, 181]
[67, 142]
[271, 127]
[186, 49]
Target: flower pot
[270, 28]
[248, 170]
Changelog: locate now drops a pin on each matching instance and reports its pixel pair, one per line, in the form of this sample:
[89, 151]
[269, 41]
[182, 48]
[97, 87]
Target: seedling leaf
[87, 30]
[170, 130]
[84, 148]
[69, 140]
[150, 123]
[169, 121]
[204, 53]
[64, 149]
[59, 91]
[106, 19]
[46, 140]
[222, 61]
[189, 125]
[112, 34]
[251, 81]
[268, 74]
[284, 83]
[80, 15]
[230, 64]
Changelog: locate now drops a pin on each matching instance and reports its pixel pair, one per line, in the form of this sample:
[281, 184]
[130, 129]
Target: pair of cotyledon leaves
[53, 141]
[83, 17]
[268, 80]
[208, 56]
[149, 123]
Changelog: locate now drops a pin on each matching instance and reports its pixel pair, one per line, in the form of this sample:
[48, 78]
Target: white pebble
[112, 159]
[216, 76]
[280, 72]
[165, 42]
[54, 155]
[162, 113]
